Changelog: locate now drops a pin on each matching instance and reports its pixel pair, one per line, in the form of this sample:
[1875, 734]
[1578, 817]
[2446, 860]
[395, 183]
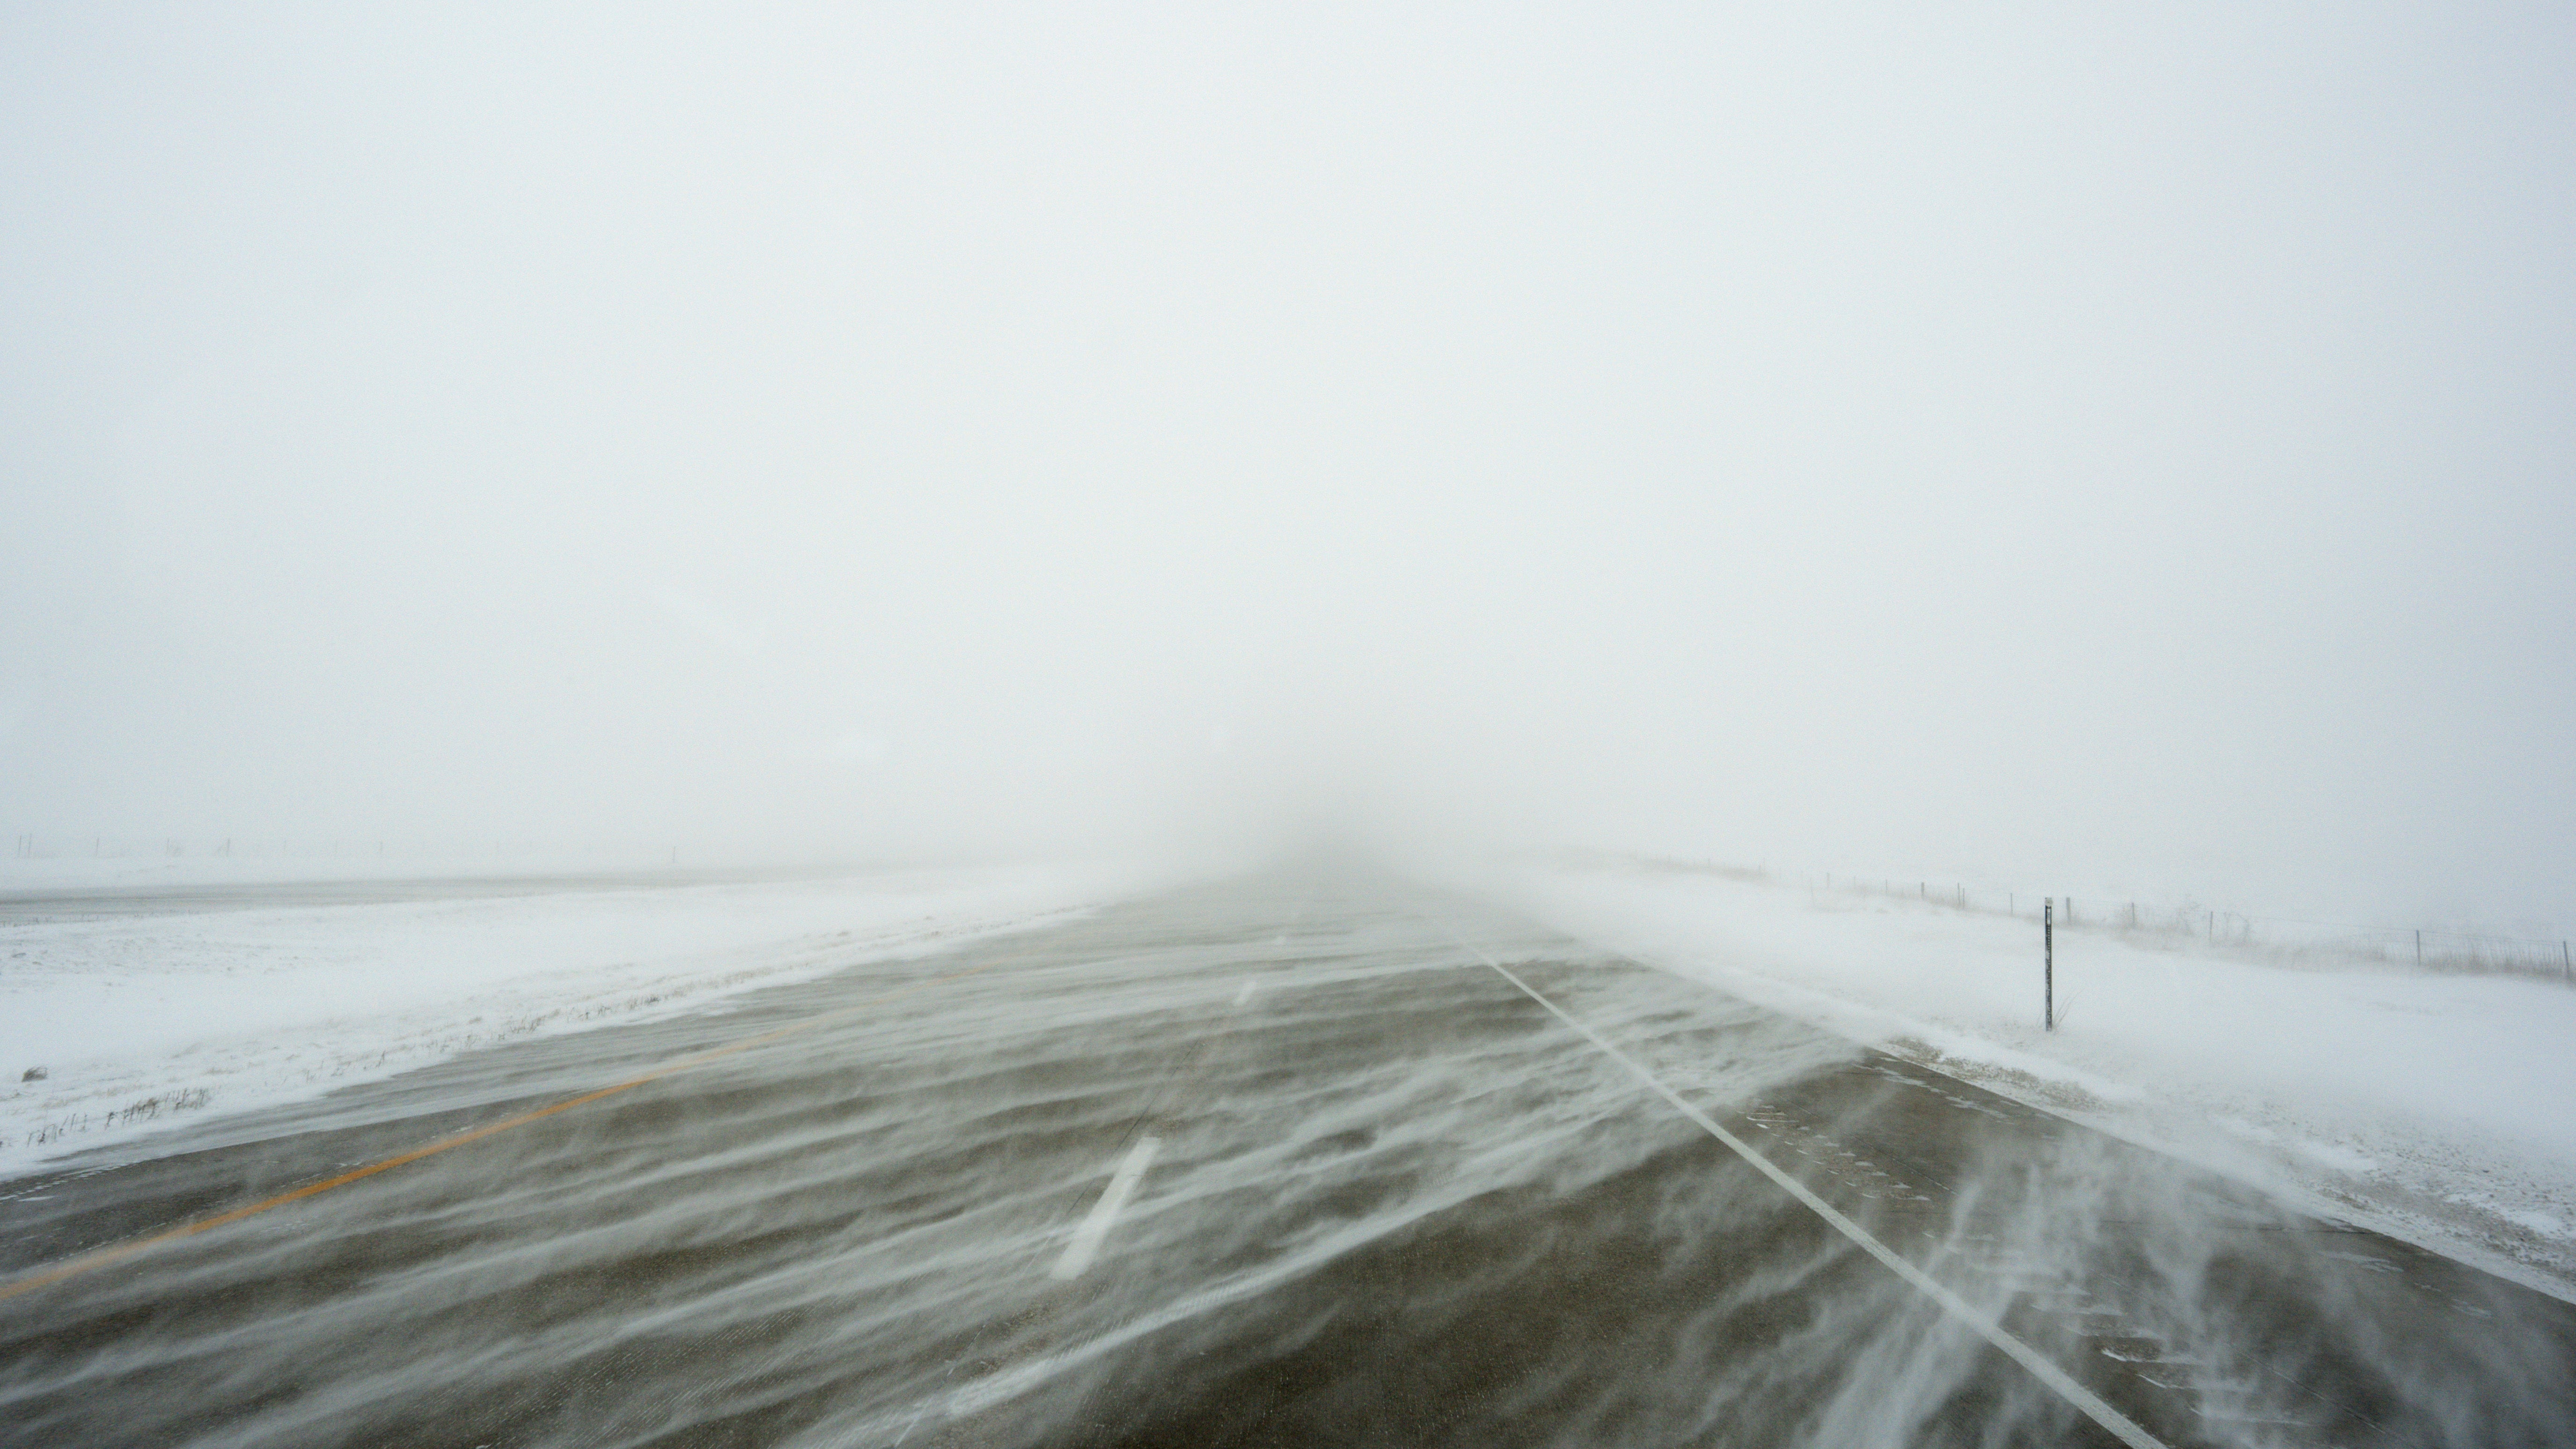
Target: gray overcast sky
[2095, 447]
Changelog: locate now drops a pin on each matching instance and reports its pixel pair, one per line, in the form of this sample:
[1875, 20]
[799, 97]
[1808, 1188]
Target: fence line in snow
[2280, 938]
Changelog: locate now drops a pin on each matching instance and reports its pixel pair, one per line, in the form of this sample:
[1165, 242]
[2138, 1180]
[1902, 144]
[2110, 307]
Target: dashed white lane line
[1245, 994]
[2085, 1400]
[1095, 1228]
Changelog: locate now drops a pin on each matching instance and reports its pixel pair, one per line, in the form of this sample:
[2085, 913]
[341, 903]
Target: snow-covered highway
[1310, 1158]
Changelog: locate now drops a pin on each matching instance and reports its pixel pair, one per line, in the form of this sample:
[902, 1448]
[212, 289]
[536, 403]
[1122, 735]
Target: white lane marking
[1087, 1238]
[1245, 994]
[2121, 1425]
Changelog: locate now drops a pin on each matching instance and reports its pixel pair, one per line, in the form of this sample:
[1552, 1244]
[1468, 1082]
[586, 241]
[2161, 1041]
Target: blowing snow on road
[1257, 725]
[1292, 1159]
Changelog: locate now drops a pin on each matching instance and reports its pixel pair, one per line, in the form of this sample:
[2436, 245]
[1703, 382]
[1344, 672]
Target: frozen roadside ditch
[2439, 1108]
[134, 1021]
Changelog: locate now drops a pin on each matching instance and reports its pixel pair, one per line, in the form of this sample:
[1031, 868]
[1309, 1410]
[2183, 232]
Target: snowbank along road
[1286, 1161]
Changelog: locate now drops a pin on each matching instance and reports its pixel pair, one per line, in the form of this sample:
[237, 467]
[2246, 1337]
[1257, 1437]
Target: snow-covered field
[110, 1027]
[2441, 1108]
[2438, 1107]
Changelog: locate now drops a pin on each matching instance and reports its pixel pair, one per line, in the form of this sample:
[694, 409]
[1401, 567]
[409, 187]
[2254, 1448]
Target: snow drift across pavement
[2440, 1108]
[110, 1027]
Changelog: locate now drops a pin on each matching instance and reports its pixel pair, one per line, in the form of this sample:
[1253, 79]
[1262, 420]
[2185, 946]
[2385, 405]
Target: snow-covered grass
[2438, 1107]
[78, 871]
[111, 1026]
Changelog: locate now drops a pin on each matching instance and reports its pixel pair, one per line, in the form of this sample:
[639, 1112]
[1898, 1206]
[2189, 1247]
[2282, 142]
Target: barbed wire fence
[2282, 940]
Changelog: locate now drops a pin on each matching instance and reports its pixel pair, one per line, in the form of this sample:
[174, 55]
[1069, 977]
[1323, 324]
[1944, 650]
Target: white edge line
[1095, 1228]
[2121, 1425]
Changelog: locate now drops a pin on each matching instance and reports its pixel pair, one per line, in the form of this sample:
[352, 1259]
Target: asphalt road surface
[1284, 1162]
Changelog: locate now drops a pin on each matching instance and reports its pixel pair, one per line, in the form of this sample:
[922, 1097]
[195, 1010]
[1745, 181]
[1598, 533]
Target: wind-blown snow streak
[1391, 1199]
[2048, 1373]
[2431, 1106]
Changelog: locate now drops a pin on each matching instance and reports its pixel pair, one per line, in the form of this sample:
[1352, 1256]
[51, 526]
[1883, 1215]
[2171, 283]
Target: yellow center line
[118, 1252]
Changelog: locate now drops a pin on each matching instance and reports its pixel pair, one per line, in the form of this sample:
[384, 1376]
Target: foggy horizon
[2090, 451]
